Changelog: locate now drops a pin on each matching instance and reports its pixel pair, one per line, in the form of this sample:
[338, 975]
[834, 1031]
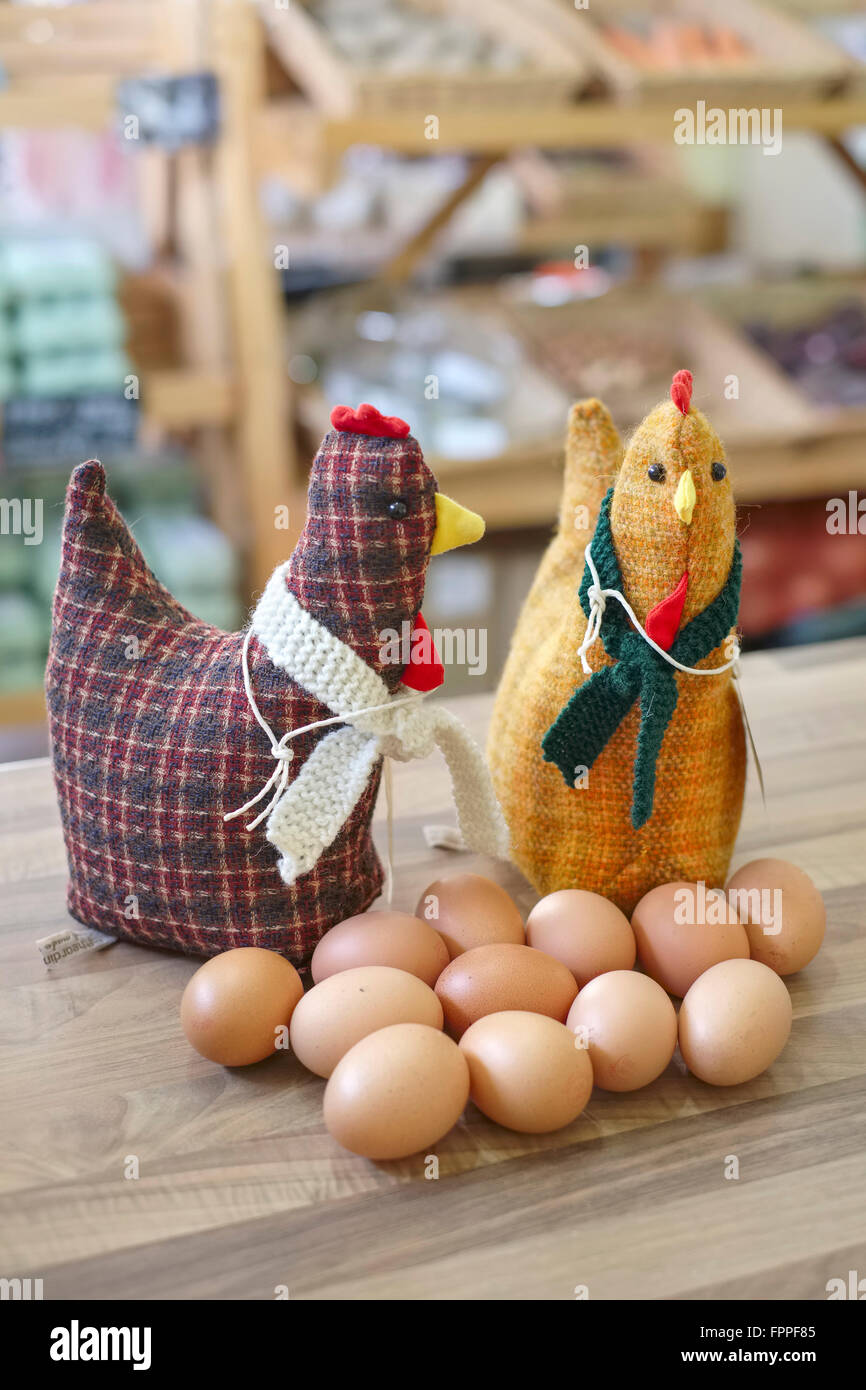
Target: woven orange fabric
[582, 836]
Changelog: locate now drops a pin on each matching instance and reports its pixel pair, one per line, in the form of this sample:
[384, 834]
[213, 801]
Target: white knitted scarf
[304, 818]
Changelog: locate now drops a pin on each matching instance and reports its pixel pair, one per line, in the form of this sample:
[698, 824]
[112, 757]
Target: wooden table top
[241, 1190]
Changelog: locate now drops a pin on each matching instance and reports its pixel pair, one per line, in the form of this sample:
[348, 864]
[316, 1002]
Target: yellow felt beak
[455, 525]
[685, 497]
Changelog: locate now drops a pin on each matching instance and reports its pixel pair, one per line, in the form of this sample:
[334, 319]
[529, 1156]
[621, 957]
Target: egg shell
[338, 1012]
[629, 1026]
[470, 911]
[790, 943]
[734, 1022]
[675, 952]
[526, 1072]
[587, 932]
[381, 938]
[492, 979]
[396, 1092]
[234, 1005]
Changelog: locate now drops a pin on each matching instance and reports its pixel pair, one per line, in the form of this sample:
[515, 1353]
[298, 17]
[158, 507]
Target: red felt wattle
[425, 671]
[664, 620]
[368, 420]
[681, 390]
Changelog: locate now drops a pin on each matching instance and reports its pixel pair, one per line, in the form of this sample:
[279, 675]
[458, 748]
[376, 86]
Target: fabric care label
[63, 944]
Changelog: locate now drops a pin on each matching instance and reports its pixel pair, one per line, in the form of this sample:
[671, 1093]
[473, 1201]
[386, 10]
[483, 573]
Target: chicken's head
[672, 515]
[375, 516]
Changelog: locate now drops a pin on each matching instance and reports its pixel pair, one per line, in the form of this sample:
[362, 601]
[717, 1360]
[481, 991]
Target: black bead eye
[719, 471]
[656, 472]
[398, 509]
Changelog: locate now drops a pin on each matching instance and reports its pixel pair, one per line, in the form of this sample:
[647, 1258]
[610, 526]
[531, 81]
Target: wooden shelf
[583, 125]
[182, 399]
[34, 103]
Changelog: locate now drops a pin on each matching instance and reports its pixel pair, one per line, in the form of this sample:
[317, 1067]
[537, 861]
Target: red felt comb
[368, 420]
[681, 391]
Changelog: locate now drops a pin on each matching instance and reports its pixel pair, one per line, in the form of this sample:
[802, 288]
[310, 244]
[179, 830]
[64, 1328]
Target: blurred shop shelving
[452, 246]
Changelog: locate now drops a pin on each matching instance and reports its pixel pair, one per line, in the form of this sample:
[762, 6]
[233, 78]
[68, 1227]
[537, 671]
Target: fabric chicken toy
[617, 744]
[216, 789]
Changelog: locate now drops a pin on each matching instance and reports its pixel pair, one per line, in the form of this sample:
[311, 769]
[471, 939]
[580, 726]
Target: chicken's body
[153, 735]
[584, 835]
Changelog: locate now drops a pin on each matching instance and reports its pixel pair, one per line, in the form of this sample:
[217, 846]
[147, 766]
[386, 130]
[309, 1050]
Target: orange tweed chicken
[617, 770]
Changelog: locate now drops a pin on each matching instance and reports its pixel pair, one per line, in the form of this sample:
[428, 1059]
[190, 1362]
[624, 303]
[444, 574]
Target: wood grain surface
[241, 1190]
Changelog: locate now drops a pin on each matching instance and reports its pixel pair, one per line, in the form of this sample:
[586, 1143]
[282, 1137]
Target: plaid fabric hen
[153, 736]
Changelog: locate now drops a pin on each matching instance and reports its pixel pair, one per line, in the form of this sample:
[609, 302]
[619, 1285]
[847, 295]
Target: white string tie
[309, 804]
[597, 597]
[279, 778]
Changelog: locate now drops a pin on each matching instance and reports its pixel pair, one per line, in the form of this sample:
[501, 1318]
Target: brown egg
[587, 932]
[381, 938]
[491, 979]
[629, 1026]
[681, 930]
[468, 910]
[236, 1005]
[334, 1015]
[734, 1022]
[783, 912]
[526, 1072]
[396, 1092]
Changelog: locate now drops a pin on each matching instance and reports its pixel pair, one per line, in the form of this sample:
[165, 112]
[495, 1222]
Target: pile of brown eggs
[410, 1016]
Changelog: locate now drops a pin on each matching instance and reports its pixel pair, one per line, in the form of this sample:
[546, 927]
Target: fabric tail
[482, 823]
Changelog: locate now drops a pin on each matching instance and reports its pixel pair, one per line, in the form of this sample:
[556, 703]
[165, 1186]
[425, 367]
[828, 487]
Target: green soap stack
[62, 336]
[62, 332]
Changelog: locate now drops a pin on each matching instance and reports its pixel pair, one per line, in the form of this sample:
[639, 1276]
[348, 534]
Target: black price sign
[169, 111]
[60, 429]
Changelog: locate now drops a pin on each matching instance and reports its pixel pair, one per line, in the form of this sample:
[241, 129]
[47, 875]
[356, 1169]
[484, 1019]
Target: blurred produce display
[825, 355]
[655, 42]
[484, 284]
[465, 385]
[743, 50]
[426, 55]
[402, 37]
[624, 366]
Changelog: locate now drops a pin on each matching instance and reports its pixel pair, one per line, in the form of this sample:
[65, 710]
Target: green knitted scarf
[598, 707]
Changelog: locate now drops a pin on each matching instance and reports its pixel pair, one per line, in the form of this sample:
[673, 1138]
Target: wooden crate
[552, 76]
[788, 303]
[788, 60]
[779, 445]
[774, 439]
[682, 333]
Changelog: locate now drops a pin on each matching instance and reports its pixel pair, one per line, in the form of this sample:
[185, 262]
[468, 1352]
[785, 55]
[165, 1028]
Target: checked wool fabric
[153, 738]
